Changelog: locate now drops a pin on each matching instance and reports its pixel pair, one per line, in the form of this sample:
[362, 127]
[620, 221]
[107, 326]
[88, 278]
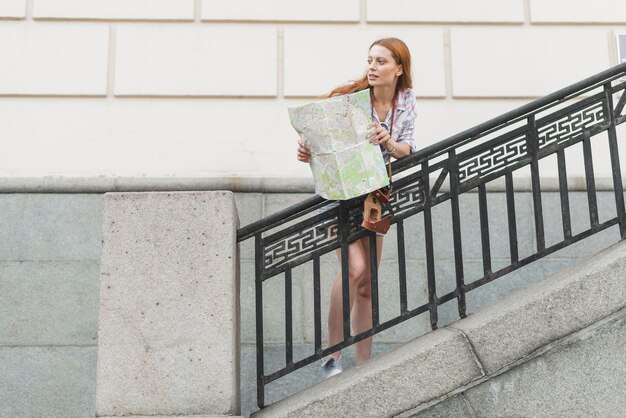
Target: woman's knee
[356, 271]
[364, 288]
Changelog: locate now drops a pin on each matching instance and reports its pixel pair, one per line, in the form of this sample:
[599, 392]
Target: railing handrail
[413, 159]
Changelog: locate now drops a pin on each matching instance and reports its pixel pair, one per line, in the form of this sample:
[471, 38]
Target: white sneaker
[331, 366]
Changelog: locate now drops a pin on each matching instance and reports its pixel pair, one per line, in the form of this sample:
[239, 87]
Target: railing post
[288, 319]
[533, 150]
[484, 229]
[456, 232]
[615, 163]
[317, 306]
[564, 193]
[401, 266]
[512, 221]
[258, 280]
[344, 233]
[374, 278]
[430, 257]
[592, 200]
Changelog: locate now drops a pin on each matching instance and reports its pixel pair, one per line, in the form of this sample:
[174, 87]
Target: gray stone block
[493, 291]
[445, 274]
[249, 209]
[169, 305]
[548, 310]
[600, 355]
[273, 306]
[579, 211]
[328, 270]
[50, 226]
[414, 245]
[471, 229]
[247, 302]
[498, 225]
[390, 245]
[275, 202]
[389, 301]
[178, 416]
[586, 377]
[590, 245]
[49, 303]
[55, 382]
[423, 369]
[413, 240]
[553, 220]
[447, 313]
[456, 407]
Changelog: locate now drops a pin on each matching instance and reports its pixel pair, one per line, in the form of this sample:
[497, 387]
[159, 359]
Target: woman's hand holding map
[304, 154]
[379, 135]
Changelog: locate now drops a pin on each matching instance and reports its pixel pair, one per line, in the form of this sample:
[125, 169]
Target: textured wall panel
[445, 11]
[47, 381]
[114, 9]
[53, 59]
[58, 301]
[12, 8]
[49, 227]
[294, 10]
[512, 62]
[169, 305]
[564, 11]
[212, 61]
[139, 137]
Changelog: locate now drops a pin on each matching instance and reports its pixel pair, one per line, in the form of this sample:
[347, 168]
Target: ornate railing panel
[494, 150]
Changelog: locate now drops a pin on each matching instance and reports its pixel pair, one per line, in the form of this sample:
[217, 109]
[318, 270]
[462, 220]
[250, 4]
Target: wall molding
[103, 184]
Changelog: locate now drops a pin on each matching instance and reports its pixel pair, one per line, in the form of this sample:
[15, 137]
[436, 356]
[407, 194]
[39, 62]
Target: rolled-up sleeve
[406, 134]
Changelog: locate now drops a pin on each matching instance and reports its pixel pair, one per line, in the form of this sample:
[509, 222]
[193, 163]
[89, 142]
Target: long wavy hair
[401, 55]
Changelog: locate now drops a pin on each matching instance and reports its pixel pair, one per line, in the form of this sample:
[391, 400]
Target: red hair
[400, 54]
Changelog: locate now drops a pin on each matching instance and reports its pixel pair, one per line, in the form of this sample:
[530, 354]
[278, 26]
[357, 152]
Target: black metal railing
[468, 161]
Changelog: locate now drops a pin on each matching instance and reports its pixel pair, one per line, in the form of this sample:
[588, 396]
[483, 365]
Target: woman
[388, 75]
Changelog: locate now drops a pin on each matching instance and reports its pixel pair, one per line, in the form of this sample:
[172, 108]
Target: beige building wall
[199, 88]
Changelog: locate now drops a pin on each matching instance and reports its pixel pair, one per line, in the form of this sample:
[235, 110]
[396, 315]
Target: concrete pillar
[168, 341]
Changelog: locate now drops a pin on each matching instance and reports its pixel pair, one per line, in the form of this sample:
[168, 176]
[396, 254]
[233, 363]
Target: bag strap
[393, 113]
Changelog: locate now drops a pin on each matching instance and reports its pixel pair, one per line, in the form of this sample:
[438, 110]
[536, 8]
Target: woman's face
[382, 70]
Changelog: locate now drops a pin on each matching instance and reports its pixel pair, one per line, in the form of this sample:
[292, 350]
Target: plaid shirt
[404, 120]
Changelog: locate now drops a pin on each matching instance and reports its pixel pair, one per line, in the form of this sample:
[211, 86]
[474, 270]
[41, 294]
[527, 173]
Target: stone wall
[49, 276]
[49, 279]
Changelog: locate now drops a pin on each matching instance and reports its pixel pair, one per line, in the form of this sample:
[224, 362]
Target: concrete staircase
[555, 348]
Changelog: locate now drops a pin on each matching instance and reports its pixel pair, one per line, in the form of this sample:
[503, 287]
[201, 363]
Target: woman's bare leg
[356, 270]
[362, 309]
